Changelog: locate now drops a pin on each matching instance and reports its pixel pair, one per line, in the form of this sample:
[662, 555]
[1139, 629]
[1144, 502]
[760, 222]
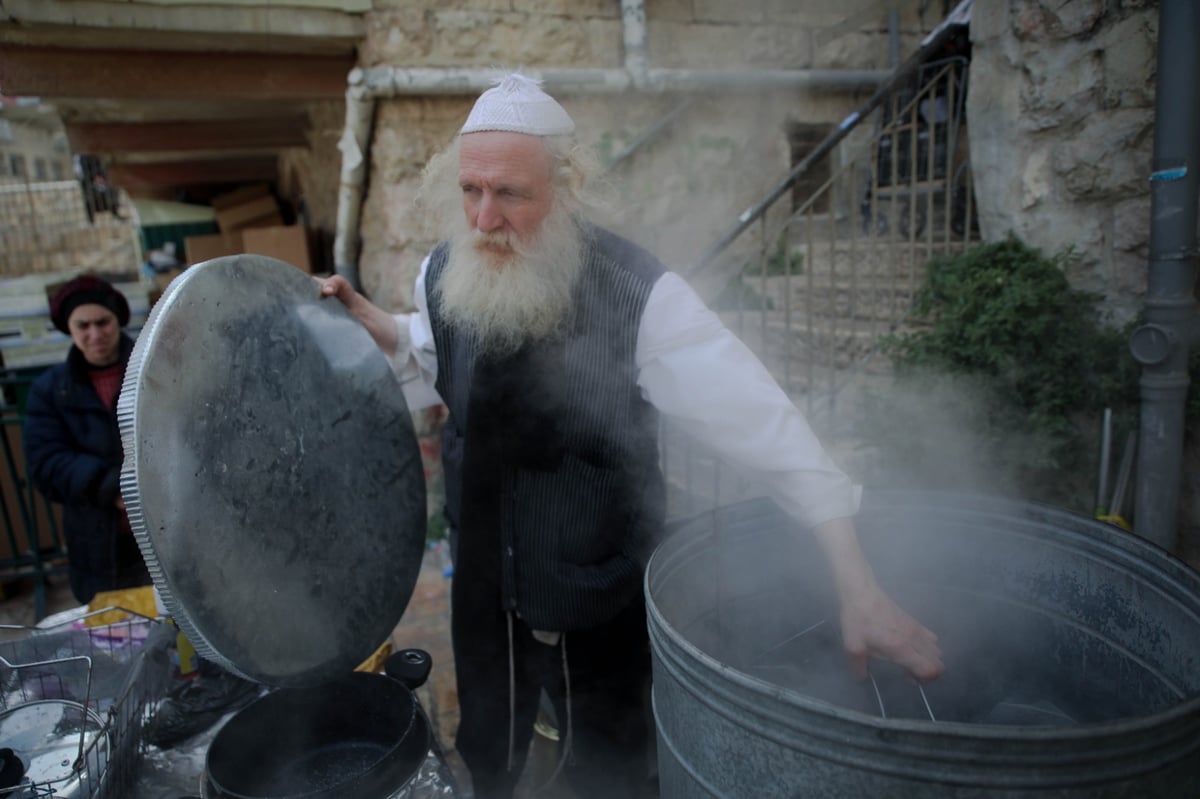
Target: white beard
[527, 298]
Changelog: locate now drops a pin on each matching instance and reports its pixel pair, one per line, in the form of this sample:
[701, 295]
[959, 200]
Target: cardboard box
[248, 214]
[239, 196]
[163, 280]
[160, 284]
[274, 219]
[289, 243]
[203, 248]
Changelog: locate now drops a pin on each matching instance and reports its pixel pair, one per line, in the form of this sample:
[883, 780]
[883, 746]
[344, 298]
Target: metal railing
[812, 287]
[32, 545]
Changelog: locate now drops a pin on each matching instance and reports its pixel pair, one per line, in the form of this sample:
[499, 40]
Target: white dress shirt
[698, 374]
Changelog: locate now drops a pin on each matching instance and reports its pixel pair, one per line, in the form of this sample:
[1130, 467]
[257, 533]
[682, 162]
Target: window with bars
[803, 138]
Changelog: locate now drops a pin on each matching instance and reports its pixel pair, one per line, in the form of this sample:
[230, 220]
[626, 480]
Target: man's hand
[378, 322]
[337, 286]
[872, 624]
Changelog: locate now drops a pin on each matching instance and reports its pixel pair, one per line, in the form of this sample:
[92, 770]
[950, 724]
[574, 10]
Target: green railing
[33, 544]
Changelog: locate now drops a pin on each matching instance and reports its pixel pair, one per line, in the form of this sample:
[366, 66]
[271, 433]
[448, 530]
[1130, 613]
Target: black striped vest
[551, 458]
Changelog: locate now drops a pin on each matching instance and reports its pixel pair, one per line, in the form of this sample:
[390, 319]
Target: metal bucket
[1072, 654]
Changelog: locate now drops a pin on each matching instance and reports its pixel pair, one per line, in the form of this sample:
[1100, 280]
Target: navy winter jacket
[73, 451]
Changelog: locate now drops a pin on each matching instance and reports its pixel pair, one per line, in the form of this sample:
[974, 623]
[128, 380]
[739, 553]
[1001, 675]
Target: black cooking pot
[362, 735]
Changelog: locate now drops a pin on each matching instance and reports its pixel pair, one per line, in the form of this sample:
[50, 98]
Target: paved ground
[425, 625]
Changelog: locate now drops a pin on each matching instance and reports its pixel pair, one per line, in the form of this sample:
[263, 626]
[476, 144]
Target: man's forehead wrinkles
[496, 176]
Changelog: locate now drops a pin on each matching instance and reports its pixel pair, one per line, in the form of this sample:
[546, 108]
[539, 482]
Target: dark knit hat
[86, 290]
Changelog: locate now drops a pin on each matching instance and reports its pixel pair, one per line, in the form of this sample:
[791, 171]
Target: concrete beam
[185, 173]
[96, 110]
[287, 24]
[50, 73]
[234, 134]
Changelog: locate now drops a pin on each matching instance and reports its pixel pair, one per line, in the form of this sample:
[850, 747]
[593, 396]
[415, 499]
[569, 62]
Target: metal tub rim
[980, 754]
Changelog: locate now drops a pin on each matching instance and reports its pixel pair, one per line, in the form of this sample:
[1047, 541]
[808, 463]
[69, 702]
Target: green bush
[741, 293]
[1004, 386]
[436, 527]
[781, 262]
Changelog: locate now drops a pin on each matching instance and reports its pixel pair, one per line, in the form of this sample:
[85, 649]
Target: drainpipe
[1162, 344]
[355, 141]
[893, 37]
[633, 30]
[365, 86]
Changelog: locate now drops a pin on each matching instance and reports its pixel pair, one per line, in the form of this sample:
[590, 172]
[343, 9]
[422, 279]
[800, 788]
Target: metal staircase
[812, 286]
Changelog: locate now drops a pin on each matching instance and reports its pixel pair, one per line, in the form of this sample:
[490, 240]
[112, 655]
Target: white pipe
[681, 80]
[374, 83]
[633, 34]
[354, 144]
[388, 82]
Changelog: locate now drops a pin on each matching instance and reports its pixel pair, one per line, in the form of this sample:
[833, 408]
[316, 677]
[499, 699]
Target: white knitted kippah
[518, 104]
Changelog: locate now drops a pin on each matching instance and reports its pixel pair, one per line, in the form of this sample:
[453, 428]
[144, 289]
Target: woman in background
[72, 441]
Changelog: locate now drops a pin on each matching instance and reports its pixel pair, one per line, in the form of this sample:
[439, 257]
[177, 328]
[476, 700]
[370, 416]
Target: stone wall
[44, 228]
[309, 176]
[1061, 110]
[681, 191]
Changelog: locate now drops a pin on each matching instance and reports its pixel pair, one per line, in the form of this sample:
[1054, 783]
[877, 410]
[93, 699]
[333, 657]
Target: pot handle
[12, 768]
[409, 666]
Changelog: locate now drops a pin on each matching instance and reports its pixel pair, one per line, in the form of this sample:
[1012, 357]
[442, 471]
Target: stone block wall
[44, 228]
[1061, 109]
[676, 195]
[309, 175]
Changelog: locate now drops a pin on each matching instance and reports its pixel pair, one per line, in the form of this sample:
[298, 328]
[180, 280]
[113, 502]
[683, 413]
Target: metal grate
[91, 686]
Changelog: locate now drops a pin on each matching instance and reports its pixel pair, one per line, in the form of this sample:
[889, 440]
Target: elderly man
[555, 345]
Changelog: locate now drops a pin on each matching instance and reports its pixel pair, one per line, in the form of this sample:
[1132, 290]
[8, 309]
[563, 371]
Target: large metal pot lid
[272, 475]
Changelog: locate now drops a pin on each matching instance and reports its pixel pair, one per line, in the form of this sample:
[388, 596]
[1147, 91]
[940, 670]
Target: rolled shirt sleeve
[708, 382]
[415, 358]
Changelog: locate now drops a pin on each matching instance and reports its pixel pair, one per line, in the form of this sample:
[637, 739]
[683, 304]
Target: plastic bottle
[444, 559]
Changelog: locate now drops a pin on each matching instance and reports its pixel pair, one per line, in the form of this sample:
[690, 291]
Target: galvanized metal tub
[1072, 652]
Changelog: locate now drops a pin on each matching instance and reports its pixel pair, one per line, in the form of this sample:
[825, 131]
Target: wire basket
[75, 698]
